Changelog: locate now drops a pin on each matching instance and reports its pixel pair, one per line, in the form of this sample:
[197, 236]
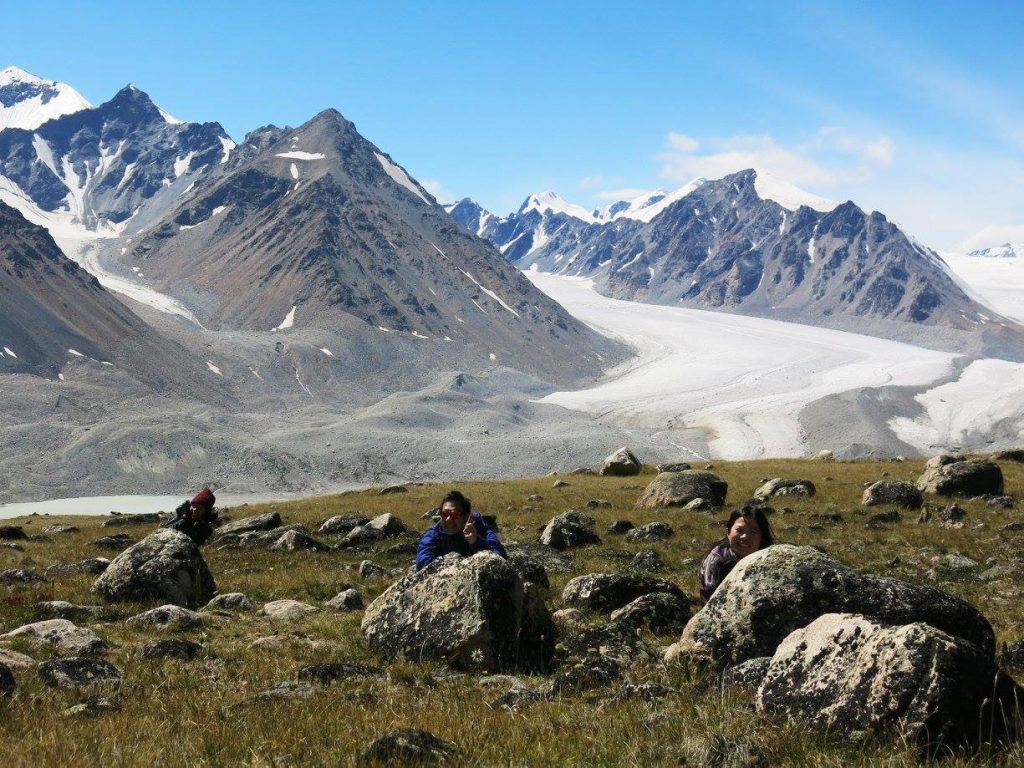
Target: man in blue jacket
[459, 530]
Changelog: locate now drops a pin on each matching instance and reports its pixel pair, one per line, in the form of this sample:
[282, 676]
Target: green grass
[196, 713]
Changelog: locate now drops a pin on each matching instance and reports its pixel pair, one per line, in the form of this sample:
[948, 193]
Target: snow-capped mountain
[754, 244]
[90, 172]
[469, 215]
[27, 101]
[317, 227]
[1004, 251]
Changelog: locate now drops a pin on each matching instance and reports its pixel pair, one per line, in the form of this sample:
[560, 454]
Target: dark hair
[462, 505]
[758, 513]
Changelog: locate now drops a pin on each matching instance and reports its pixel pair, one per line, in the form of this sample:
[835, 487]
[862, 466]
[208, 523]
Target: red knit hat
[204, 498]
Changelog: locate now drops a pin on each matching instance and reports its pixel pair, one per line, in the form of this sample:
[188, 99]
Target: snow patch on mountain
[647, 213]
[27, 101]
[550, 202]
[789, 196]
[400, 177]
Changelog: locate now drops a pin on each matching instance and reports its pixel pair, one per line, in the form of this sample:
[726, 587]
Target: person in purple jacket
[460, 529]
[747, 531]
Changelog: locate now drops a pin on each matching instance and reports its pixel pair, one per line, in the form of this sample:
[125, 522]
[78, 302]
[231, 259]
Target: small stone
[173, 648]
[410, 746]
[78, 672]
[620, 526]
[93, 706]
[559, 484]
[370, 570]
[172, 618]
[599, 504]
[232, 601]
[288, 609]
[53, 530]
[346, 600]
[325, 674]
[655, 531]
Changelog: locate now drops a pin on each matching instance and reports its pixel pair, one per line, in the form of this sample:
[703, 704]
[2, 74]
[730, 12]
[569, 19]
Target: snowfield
[999, 282]
[743, 379]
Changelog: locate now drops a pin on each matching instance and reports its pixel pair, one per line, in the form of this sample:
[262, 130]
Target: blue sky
[911, 109]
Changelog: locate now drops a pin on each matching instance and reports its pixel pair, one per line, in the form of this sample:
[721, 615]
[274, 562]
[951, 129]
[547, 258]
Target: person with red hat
[195, 518]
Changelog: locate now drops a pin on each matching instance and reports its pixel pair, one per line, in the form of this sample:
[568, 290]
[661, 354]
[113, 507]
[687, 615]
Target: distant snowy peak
[630, 208]
[551, 203]
[1004, 251]
[647, 212]
[472, 217]
[27, 101]
[787, 195]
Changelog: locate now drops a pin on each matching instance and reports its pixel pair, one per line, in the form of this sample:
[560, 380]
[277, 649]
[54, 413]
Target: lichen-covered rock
[16, 660]
[297, 541]
[78, 672]
[265, 522]
[346, 600]
[748, 675]
[172, 618]
[57, 528]
[166, 566]
[21, 576]
[139, 518]
[232, 601]
[658, 612]
[780, 486]
[61, 609]
[550, 559]
[92, 565]
[610, 591]
[622, 463]
[845, 673]
[338, 670]
[961, 478]
[472, 613]
[673, 466]
[646, 560]
[677, 489]
[61, 634]
[172, 648]
[405, 747]
[782, 588]
[620, 526]
[896, 492]
[656, 531]
[569, 530]
[288, 609]
[616, 642]
[386, 526]
[340, 524]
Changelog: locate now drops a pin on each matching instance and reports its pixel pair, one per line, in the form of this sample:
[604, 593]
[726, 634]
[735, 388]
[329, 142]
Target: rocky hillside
[310, 225]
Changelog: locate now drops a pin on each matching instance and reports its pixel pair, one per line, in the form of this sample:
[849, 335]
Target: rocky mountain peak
[27, 101]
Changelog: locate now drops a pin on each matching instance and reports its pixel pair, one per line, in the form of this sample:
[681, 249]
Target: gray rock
[550, 559]
[658, 612]
[324, 674]
[16, 660]
[166, 566]
[78, 672]
[12, 533]
[118, 542]
[61, 634]
[393, 489]
[622, 463]
[748, 675]
[409, 747]
[143, 518]
[955, 562]
[530, 569]
[171, 618]
[646, 560]
[699, 505]
[21, 576]
[340, 524]
[172, 648]
[845, 673]
[93, 706]
[297, 541]
[639, 692]
[655, 531]
[559, 484]
[674, 466]
[346, 600]
[620, 526]
[781, 588]
[472, 613]
[288, 609]
[284, 692]
[60, 609]
[677, 489]
[780, 486]
[616, 642]
[265, 522]
[92, 566]
[53, 530]
[569, 530]
[1012, 454]
[232, 601]
[385, 526]
[609, 591]
[569, 616]
[962, 478]
[583, 674]
[370, 570]
[896, 492]
[824, 455]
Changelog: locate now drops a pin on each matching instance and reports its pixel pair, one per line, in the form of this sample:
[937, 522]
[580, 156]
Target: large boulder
[780, 486]
[845, 673]
[961, 478]
[472, 613]
[62, 634]
[677, 489]
[609, 591]
[784, 587]
[899, 493]
[622, 463]
[569, 530]
[165, 567]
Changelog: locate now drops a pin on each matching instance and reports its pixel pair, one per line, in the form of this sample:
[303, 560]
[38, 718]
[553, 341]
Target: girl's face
[744, 537]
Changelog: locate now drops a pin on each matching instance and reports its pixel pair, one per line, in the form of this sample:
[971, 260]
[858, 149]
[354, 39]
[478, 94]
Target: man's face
[197, 511]
[452, 522]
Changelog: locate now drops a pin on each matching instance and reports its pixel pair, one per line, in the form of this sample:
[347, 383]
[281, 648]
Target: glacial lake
[126, 505]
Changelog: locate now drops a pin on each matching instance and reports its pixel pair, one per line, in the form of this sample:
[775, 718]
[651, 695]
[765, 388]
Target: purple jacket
[436, 543]
[716, 566]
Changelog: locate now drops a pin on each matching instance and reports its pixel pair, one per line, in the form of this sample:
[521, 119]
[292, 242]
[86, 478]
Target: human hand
[469, 532]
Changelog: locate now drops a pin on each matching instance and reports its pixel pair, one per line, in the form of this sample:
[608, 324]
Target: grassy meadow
[202, 712]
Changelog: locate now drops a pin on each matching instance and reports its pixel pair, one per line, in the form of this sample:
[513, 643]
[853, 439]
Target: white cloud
[828, 158]
[434, 187]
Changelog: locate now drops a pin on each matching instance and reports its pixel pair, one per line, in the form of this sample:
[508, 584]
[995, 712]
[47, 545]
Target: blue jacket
[436, 543]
